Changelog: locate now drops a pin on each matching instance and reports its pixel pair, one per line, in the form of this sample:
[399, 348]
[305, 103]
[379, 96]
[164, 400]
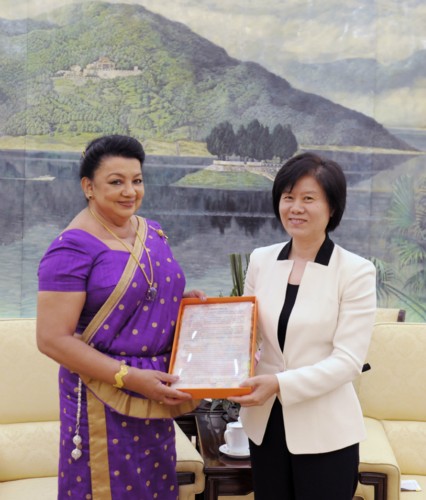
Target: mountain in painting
[96, 68]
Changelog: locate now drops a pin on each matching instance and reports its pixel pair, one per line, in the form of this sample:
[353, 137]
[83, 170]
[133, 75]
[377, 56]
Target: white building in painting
[102, 68]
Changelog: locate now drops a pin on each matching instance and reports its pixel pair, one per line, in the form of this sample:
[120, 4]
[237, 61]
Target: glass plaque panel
[214, 346]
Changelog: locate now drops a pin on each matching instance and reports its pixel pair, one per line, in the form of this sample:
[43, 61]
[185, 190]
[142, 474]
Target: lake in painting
[40, 194]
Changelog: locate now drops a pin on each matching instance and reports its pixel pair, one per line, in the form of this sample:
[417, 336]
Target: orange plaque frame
[191, 351]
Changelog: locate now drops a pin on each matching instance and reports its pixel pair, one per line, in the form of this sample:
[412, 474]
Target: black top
[290, 299]
[323, 257]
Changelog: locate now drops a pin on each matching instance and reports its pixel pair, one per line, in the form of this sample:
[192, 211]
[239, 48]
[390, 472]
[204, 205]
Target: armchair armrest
[189, 466]
[376, 459]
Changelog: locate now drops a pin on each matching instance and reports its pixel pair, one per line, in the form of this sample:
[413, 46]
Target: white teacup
[236, 438]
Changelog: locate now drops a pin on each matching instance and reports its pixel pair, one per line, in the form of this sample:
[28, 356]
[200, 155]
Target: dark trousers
[281, 475]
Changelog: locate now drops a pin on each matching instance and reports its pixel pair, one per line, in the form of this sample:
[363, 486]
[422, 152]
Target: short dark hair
[327, 173]
[109, 145]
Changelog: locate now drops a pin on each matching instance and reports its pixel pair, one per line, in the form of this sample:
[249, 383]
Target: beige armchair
[29, 425]
[386, 314]
[393, 399]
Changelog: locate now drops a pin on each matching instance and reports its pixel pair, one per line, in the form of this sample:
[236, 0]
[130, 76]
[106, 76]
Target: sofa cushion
[391, 390]
[41, 488]
[31, 391]
[28, 450]
[408, 441]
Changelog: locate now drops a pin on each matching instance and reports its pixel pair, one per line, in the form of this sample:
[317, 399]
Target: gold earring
[89, 196]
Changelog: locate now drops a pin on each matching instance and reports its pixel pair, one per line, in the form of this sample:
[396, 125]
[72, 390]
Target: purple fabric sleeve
[66, 264]
[77, 261]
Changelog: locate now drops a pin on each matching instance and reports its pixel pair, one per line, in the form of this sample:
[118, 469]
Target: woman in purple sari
[109, 294]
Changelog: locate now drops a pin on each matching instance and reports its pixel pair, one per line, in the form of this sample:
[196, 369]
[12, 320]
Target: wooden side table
[224, 475]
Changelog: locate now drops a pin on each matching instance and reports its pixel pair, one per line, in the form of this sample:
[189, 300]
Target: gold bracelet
[124, 370]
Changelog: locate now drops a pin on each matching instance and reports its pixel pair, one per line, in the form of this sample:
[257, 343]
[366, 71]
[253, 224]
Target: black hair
[327, 173]
[109, 145]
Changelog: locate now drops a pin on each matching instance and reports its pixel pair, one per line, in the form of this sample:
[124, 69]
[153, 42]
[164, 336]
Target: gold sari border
[121, 288]
[98, 442]
[132, 406]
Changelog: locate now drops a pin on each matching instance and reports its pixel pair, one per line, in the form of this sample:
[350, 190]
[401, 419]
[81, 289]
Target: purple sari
[128, 442]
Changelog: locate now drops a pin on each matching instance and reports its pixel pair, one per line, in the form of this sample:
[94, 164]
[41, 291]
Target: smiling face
[116, 190]
[304, 211]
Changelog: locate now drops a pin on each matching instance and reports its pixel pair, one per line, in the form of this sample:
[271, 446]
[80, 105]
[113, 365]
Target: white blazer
[326, 344]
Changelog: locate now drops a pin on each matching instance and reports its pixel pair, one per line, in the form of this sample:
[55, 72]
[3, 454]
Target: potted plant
[229, 409]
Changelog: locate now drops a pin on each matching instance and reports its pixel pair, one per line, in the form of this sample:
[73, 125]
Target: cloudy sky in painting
[272, 32]
[267, 31]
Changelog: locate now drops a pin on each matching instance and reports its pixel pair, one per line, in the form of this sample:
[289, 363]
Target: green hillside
[178, 86]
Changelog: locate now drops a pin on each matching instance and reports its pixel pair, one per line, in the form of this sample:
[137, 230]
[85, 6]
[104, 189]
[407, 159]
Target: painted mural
[219, 93]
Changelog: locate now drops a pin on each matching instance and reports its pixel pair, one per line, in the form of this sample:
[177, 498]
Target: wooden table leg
[211, 491]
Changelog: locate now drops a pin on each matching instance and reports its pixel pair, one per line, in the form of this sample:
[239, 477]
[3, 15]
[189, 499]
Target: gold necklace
[152, 291]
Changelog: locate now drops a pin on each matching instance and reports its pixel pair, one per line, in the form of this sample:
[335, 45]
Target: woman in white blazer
[316, 309]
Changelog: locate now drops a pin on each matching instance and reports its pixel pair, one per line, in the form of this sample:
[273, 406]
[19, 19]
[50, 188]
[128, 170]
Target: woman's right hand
[152, 385]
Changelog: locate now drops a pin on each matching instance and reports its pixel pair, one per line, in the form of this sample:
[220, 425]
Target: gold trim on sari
[113, 300]
[98, 442]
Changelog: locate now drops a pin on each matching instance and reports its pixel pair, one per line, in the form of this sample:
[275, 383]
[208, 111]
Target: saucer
[224, 449]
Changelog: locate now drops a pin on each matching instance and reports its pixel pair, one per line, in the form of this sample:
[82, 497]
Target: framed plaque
[214, 346]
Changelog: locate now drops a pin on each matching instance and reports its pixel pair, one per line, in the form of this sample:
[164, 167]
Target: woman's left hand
[193, 294]
[264, 386]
